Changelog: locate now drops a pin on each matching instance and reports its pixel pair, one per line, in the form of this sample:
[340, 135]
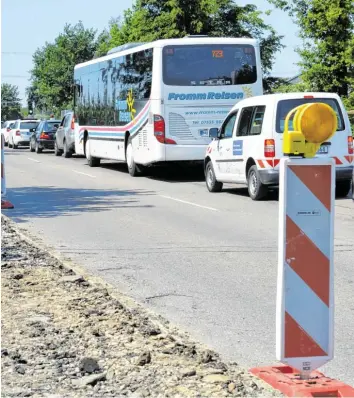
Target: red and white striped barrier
[305, 296]
[5, 204]
[304, 322]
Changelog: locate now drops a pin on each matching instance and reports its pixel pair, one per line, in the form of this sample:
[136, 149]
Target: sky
[28, 24]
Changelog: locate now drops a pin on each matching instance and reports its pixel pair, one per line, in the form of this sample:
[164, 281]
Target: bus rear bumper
[185, 152]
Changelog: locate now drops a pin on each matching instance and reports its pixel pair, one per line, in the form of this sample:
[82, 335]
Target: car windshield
[52, 125]
[28, 125]
[285, 106]
[209, 65]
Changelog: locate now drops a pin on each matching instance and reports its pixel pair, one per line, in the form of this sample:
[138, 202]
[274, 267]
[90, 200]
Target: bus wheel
[256, 189]
[211, 182]
[133, 168]
[91, 160]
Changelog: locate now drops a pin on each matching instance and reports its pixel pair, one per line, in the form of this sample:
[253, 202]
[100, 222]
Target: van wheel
[133, 168]
[91, 160]
[66, 152]
[256, 189]
[211, 182]
[15, 146]
[342, 188]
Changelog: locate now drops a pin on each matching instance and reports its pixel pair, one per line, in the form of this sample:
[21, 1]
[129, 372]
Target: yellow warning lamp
[313, 124]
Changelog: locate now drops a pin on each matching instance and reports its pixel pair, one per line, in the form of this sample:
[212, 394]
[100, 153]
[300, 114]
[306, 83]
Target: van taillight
[8, 129]
[159, 131]
[350, 145]
[73, 123]
[269, 148]
[18, 132]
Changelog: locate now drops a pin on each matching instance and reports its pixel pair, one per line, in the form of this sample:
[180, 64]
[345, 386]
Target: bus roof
[168, 42]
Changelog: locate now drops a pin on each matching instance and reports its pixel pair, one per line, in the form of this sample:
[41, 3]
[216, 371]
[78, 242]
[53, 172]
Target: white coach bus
[152, 103]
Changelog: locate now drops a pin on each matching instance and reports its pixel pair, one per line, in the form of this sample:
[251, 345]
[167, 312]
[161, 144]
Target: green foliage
[150, 20]
[10, 102]
[53, 67]
[327, 55]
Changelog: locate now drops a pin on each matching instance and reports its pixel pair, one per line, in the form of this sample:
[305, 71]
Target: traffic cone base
[287, 380]
[5, 204]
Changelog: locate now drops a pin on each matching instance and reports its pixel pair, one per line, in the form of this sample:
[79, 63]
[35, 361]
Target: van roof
[269, 99]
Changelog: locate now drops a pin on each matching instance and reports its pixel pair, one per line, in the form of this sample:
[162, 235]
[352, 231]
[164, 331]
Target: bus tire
[91, 160]
[133, 168]
[212, 183]
[256, 189]
[342, 188]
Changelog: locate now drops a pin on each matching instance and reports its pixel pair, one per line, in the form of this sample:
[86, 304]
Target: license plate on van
[323, 149]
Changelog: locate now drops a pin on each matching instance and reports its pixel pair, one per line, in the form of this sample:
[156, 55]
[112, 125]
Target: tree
[53, 67]
[327, 56]
[150, 20]
[10, 102]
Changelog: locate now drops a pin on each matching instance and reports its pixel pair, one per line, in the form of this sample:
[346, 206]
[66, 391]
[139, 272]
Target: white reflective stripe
[307, 309]
[307, 201]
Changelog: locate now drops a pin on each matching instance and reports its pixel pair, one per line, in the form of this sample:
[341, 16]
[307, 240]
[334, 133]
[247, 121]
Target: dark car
[44, 135]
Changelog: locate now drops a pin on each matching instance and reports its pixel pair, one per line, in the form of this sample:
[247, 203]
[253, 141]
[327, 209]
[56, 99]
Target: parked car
[5, 129]
[21, 131]
[44, 135]
[248, 146]
[65, 136]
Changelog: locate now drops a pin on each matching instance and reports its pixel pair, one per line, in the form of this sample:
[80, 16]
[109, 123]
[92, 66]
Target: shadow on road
[174, 173]
[49, 202]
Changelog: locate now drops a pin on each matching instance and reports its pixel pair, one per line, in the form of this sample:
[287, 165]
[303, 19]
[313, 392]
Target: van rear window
[285, 106]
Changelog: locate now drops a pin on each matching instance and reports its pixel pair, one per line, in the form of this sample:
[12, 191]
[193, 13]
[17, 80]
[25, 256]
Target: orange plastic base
[287, 380]
[5, 204]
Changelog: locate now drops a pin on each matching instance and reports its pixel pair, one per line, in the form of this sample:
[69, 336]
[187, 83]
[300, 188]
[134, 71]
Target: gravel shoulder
[65, 335]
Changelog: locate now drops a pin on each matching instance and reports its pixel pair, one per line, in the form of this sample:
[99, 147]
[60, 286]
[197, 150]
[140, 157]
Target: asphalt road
[207, 262]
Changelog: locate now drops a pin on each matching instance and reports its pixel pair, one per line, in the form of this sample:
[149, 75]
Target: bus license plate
[323, 149]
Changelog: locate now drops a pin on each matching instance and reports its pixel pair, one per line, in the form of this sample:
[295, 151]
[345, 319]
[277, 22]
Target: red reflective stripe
[276, 162]
[270, 162]
[349, 158]
[338, 161]
[298, 343]
[261, 164]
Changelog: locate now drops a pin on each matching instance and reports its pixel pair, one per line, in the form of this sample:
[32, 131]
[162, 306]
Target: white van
[248, 146]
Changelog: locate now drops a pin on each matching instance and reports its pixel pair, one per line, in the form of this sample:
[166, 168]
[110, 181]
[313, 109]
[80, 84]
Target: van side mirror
[213, 132]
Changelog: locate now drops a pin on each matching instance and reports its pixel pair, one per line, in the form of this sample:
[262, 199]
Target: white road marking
[189, 203]
[34, 160]
[84, 174]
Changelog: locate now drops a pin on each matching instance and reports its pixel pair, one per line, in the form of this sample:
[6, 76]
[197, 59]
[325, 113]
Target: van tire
[342, 188]
[91, 160]
[133, 168]
[256, 189]
[212, 183]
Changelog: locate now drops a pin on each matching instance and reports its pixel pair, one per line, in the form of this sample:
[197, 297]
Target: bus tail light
[269, 148]
[159, 131]
[18, 132]
[350, 145]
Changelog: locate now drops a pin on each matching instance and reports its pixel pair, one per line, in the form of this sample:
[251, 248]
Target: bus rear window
[285, 106]
[209, 65]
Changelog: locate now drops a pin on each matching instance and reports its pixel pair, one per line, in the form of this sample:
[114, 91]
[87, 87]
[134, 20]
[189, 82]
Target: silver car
[65, 137]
